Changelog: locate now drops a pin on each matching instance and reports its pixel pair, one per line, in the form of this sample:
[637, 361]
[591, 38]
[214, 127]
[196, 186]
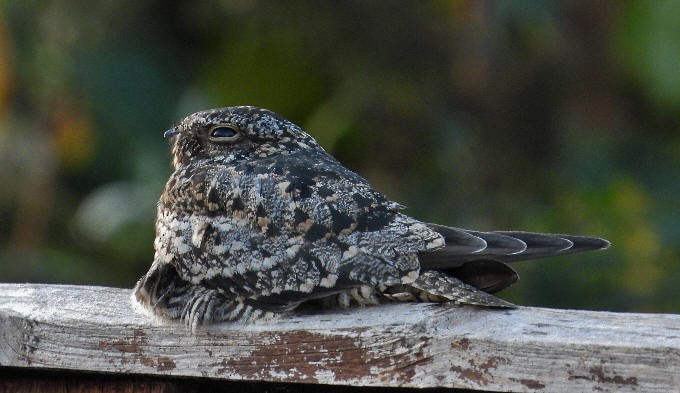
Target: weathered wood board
[411, 345]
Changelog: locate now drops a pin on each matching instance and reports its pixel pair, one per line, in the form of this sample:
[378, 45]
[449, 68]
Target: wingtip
[604, 243]
[462, 239]
[500, 244]
[585, 243]
[568, 245]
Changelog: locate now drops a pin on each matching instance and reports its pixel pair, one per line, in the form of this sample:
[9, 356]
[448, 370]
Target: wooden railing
[55, 329]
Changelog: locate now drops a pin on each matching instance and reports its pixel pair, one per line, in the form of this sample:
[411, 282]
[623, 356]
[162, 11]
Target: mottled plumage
[257, 218]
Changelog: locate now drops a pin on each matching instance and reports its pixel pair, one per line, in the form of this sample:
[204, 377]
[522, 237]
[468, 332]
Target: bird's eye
[223, 134]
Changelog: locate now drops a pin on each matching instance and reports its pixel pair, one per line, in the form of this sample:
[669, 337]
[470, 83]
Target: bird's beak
[171, 132]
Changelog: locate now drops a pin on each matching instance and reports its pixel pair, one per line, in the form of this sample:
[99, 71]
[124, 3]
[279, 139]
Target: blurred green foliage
[558, 116]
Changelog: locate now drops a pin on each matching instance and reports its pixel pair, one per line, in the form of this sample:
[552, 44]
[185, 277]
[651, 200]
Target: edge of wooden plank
[415, 345]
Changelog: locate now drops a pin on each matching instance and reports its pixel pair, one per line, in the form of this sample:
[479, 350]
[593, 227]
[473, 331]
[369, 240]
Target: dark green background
[535, 115]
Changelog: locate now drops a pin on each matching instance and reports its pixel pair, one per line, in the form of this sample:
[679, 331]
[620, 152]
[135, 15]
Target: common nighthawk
[257, 219]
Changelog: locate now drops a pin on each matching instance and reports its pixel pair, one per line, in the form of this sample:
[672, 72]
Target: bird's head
[236, 133]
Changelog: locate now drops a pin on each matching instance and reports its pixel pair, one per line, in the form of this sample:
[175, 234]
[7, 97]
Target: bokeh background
[558, 116]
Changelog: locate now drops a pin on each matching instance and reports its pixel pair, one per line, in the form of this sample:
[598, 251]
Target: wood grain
[410, 345]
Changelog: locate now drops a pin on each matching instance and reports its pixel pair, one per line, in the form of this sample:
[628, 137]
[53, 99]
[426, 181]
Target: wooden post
[94, 329]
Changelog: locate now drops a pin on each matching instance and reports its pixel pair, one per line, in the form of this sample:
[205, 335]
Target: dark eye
[223, 133]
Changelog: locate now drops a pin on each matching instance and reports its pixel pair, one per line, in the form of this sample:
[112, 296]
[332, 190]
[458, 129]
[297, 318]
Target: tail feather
[488, 275]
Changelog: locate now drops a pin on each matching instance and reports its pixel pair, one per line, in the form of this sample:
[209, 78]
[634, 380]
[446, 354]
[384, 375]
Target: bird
[258, 219]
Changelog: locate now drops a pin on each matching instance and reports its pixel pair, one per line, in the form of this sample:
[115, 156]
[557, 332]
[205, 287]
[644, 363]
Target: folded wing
[480, 258]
